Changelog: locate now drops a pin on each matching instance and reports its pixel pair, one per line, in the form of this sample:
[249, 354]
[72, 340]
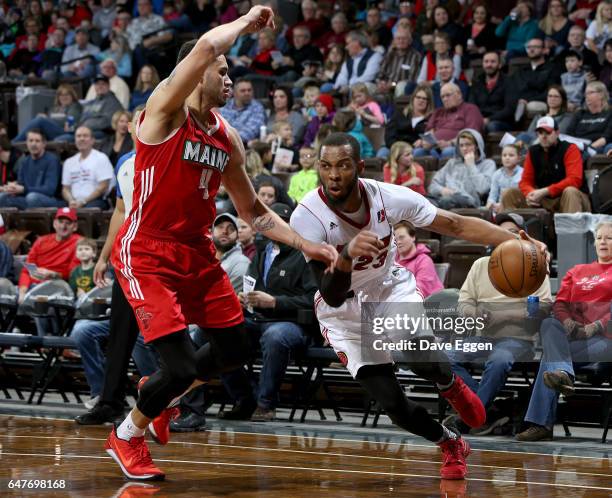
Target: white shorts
[342, 326]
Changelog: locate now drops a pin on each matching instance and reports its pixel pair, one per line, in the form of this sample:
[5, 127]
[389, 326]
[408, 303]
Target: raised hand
[258, 18]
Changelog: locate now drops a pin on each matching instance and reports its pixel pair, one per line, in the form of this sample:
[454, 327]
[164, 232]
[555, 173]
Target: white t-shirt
[599, 38]
[386, 204]
[84, 175]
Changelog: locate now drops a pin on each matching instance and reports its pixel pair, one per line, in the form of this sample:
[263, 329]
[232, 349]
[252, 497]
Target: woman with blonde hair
[365, 106]
[594, 122]
[402, 170]
[555, 25]
[146, 81]
[61, 118]
[120, 52]
[601, 28]
[120, 142]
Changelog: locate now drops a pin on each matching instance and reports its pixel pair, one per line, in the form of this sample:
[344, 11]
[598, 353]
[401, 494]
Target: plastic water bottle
[263, 132]
[70, 120]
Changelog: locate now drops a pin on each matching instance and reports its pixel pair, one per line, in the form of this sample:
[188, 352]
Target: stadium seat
[376, 136]
[37, 221]
[434, 247]
[87, 221]
[598, 162]
[429, 163]
[442, 271]
[538, 221]
[461, 255]
[602, 191]
[374, 164]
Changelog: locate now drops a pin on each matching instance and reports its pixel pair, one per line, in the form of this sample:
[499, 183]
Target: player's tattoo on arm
[263, 223]
[171, 77]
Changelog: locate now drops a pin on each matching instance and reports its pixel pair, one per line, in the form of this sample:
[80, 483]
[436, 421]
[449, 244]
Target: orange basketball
[517, 268]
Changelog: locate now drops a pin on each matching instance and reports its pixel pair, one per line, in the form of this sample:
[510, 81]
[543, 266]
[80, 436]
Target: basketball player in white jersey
[356, 215]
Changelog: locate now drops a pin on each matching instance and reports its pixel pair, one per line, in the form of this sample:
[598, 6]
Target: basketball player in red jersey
[164, 256]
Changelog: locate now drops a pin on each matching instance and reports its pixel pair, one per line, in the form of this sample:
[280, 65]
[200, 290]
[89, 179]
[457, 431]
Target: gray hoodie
[472, 181]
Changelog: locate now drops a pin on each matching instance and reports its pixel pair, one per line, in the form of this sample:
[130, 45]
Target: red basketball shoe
[454, 452]
[133, 457]
[159, 427]
[466, 403]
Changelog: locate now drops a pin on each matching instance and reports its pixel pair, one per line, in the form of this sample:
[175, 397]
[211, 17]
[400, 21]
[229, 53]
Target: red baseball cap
[66, 212]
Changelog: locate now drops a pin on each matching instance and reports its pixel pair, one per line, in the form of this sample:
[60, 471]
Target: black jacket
[400, 127]
[533, 84]
[290, 281]
[591, 126]
[497, 105]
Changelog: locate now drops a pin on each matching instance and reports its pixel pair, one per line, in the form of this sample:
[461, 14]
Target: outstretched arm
[167, 101]
[257, 214]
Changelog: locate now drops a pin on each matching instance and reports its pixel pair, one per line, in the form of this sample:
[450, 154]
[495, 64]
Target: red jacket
[403, 178]
[52, 255]
[573, 173]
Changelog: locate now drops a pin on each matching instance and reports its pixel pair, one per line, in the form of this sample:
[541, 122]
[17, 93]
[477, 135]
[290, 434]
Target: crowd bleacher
[466, 102]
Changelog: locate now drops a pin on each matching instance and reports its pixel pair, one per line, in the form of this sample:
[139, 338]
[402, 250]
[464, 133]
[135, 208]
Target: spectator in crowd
[243, 112]
[301, 51]
[429, 68]
[282, 110]
[333, 63]
[65, 110]
[508, 176]
[53, 255]
[282, 138]
[555, 26]
[81, 278]
[87, 177]
[51, 57]
[38, 176]
[493, 93]
[401, 63]
[120, 142]
[601, 28]
[531, 82]
[122, 24]
[82, 50]
[146, 81]
[118, 86]
[574, 336]
[337, 34]
[441, 22]
[246, 237]
[25, 62]
[262, 62]
[375, 23]
[119, 51]
[556, 108]
[409, 123]
[576, 42]
[366, 108]
[307, 178]
[266, 191]
[481, 32]
[446, 123]
[362, 63]
[9, 156]
[518, 28]
[284, 286]
[403, 170]
[444, 71]
[104, 17]
[324, 108]
[32, 26]
[465, 178]
[605, 76]
[316, 26]
[347, 121]
[574, 80]
[229, 251]
[553, 176]
[97, 113]
[594, 122]
[416, 259]
[145, 33]
[505, 328]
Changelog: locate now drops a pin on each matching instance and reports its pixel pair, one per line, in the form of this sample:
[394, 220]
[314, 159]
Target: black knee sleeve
[226, 350]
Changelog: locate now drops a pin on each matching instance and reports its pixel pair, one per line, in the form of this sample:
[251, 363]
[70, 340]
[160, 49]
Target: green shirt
[81, 279]
[301, 183]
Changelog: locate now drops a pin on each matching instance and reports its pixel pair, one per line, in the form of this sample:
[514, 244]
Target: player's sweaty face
[337, 172]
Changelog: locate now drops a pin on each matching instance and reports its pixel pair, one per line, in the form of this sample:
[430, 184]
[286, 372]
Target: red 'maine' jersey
[176, 181]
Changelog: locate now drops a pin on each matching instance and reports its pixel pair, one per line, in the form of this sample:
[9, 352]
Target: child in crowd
[311, 94]
[365, 106]
[307, 179]
[347, 121]
[325, 130]
[507, 177]
[574, 80]
[264, 149]
[402, 170]
[325, 113]
[282, 138]
[81, 278]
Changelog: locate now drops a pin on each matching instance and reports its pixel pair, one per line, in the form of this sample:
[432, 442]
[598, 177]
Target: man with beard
[356, 215]
[284, 285]
[493, 95]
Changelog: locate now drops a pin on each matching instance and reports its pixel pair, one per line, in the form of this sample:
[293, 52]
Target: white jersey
[385, 204]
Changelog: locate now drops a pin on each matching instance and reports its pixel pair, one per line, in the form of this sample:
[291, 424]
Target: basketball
[517, 268]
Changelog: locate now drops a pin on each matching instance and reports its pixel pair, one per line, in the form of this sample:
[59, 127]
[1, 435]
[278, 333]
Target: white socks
[128, 429]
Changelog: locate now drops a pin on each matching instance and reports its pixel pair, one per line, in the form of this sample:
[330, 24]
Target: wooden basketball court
[252, 460]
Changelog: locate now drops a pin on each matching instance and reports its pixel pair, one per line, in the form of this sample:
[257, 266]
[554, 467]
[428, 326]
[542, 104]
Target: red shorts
[171, 284]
